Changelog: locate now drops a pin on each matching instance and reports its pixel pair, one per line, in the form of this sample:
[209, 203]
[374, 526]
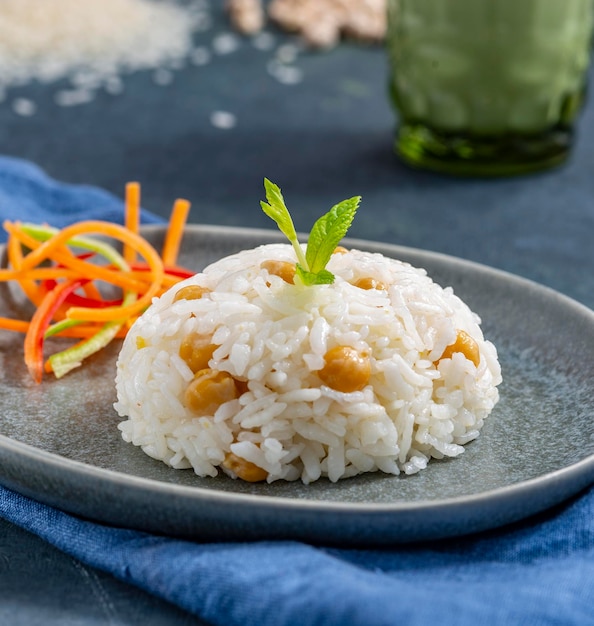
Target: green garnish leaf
[324, 277]
[323, 238]
[276, 210]
[327, 233]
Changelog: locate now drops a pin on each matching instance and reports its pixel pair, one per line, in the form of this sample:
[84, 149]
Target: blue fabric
[540, 572]
[29, 194]
[534, 573]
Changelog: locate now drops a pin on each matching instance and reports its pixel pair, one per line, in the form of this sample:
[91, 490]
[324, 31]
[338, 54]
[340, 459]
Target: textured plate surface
[59, 441]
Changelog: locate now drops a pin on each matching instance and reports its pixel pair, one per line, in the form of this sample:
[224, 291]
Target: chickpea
[246, 470]
[242, 386]
[191, 292]
[368, 282]
[284, 269]
[340, 250]
[345, 369]
[196, 350]
[208, 390]
[466, 345]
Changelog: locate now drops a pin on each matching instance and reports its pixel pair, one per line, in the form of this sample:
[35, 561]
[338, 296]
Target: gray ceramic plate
[60, 443]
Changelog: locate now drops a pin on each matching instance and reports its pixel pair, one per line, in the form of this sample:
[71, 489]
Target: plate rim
[132, 480]
[579, 474]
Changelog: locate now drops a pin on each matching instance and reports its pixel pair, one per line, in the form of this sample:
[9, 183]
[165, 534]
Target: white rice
[274, 336]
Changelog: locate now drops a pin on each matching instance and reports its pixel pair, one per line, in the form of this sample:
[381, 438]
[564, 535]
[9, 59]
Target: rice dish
[239, 370]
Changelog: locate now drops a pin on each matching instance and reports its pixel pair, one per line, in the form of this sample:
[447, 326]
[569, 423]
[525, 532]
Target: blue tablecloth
[540, 571]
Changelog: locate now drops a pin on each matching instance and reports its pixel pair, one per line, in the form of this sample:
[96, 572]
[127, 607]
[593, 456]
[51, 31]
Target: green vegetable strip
[58, 327]
[69, 359]
[43, 233]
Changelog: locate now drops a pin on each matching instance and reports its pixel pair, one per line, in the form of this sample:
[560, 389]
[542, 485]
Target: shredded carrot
[15, 258]
[39, 322]
[98, 272]
[85, 331]
[131, 217]
[35, 292]
[19, 326]
[177, 222]
[138, 243]
[15, 230]
[38, 273]
[67, 286]
[92, 291]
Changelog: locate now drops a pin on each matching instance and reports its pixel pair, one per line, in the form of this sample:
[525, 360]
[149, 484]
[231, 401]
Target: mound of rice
[270, 337]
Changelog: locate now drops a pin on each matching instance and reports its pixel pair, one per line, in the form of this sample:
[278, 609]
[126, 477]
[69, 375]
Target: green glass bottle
[487, 87]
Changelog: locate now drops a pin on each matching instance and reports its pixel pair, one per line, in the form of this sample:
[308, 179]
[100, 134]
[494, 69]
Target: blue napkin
[29, 194]
[537, 572]
[540, 572]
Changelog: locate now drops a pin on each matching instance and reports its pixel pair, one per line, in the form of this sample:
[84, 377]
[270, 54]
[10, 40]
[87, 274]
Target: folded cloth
[540, 571]
[29, 194]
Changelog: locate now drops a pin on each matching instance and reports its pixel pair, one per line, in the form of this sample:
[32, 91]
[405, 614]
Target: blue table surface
[327, 137]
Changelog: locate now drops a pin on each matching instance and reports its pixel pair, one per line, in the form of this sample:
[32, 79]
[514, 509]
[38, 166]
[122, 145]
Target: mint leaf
[328, 231]
[276, 210]
[323, 277]
[323, 238]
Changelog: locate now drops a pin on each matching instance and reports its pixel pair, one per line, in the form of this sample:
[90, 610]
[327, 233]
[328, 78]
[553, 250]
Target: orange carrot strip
[64, 257]
[132, 217]
[14, 229]
[53, 249]
[39, 273]
[141, 276]
[15, 256]
[92, 291]
[84, 331]
[34, 337]
[175, 230]
[95, 272]
[40, 250]
[19, 326]
[31, 243]
[142, 246]
[16, 239]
